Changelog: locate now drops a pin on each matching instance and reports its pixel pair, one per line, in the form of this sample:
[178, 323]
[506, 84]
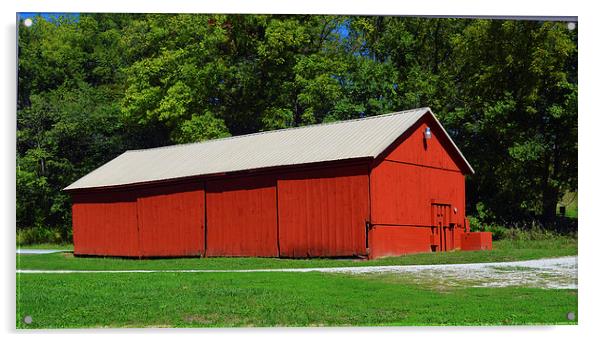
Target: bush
[40, 234]
[476, 225]
[532, 231]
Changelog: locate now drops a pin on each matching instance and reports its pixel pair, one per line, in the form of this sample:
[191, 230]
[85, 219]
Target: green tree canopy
[93, 86]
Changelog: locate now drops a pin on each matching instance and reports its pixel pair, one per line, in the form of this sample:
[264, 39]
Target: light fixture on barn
[427, 133]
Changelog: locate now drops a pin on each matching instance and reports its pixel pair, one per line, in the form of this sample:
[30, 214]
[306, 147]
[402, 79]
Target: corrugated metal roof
[351, 139]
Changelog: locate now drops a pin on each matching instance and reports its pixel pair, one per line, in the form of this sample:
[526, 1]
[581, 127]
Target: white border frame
[589, 121]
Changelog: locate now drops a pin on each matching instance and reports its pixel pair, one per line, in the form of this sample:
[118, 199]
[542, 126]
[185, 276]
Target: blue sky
[48, 15]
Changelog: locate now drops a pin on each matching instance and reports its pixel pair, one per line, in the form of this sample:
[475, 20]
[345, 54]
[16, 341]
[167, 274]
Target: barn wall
[395, 240]
[105, 224]
[242, 217]
[323, 212]
[404, 184]
[171, 220]
[150, 221]
[401, 194]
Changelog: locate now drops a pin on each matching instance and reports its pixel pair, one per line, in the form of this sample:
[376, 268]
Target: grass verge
[66, 247]
[282, 299]
[504, 250]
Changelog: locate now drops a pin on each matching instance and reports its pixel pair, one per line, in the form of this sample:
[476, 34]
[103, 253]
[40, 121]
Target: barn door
[241, 217]
[442, 238]
[171, 220]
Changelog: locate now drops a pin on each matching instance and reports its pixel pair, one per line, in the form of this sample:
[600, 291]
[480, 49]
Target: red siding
[393, 240]
[402, 194]
[476, 241]
[412, 175]
[323, 212]
[171, 220]
[241, 217]
[105, 224]
[458, 233]
[435, 152]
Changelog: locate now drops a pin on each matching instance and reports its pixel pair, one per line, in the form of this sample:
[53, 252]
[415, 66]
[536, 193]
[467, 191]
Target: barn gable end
[409, 182]
[437, 152]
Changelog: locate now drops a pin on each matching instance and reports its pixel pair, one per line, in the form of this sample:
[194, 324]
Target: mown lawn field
[504, 250]
[275, 299]
[281, 299]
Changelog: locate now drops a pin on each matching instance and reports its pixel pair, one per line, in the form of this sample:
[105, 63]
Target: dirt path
[559, 273]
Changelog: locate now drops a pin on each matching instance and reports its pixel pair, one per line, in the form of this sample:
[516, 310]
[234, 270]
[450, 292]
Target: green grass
[504, 250]
[571, 203]
[283, 299]
[67, 246]
[277, 299]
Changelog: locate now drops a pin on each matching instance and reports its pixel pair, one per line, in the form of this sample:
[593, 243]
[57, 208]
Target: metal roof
[360, 138]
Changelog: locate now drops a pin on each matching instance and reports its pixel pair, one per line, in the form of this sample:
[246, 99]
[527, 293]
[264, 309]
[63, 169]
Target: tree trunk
[550, 201]
[549, 191]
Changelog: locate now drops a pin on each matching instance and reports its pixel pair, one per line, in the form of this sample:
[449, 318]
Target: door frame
[442, 230]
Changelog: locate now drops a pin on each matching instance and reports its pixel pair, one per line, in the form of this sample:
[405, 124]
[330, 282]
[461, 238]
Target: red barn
[378, 186]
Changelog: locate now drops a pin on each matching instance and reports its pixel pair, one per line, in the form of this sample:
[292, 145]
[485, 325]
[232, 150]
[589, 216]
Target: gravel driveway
[556, 273]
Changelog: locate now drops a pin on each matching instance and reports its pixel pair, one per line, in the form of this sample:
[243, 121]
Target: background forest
[91, 86]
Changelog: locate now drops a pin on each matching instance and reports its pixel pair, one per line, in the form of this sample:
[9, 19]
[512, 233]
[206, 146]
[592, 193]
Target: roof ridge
[281, 130]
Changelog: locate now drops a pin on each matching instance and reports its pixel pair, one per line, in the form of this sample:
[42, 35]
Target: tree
[68, 119]
[93, 86]
[519, 92]
[505, 90]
